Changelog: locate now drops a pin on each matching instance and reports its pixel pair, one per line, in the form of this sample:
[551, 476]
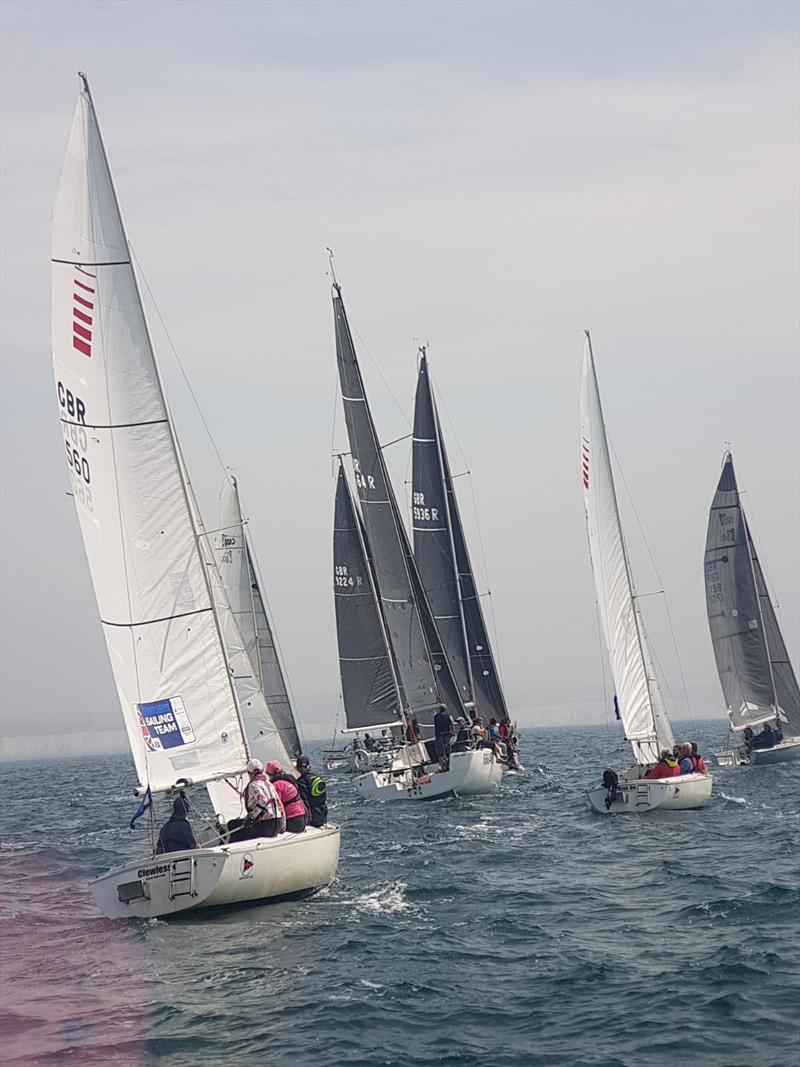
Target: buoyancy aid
[290, 797]
[665, 768]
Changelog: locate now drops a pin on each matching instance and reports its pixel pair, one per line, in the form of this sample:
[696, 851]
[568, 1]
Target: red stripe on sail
[88, 288]
[81, 346]
[80, 315]
[82, 331]
[80, 300]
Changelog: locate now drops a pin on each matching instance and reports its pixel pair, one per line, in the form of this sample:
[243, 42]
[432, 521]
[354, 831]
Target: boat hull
[263, 869]
[470, 773]
[785, 752]
[639, 796]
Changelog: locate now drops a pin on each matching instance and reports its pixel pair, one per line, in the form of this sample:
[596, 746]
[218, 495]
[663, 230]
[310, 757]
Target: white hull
[640, 795]
[469, 774]
[785, 752]
[260, 870]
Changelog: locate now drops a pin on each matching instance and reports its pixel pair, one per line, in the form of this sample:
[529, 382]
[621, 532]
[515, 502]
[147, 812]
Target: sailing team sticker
[165, 724]
[247, 865]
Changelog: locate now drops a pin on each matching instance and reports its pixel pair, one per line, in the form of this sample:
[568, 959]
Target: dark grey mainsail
[273, 681]
[486, 687]
[748, 647]
[370, 689]
[410, 627]
[433, 543]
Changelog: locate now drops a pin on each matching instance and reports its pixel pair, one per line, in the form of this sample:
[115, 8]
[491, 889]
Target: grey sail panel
[787, 693]
[487, 689]
[433, 544]
[369, 690]
[734, 615]
[424, 687]
[273, 681]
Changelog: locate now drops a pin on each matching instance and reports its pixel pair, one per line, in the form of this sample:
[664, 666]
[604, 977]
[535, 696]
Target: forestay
[410, 627]
[752, 662]
[641, 705]
[434, 552]
[149, 578]
[370, 689]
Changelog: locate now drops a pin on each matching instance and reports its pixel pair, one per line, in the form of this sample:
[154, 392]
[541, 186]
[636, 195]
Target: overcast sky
[494, 178]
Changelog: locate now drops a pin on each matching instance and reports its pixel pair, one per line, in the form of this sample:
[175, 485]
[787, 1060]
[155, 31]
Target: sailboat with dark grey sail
[174, 646]
[641, 703]
[442, 557]
[756, 675]
[395, 671]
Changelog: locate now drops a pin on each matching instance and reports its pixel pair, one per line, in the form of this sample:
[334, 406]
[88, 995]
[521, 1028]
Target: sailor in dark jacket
[176, 834]
[313, 791]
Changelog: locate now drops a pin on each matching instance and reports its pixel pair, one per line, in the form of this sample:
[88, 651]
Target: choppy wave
[516, 930]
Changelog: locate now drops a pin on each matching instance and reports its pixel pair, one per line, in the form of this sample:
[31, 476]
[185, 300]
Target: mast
[133, 500]
[643, 714]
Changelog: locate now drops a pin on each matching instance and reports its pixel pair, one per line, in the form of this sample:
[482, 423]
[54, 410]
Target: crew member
[667, 766]
[287, 789]
[265, 817]
[176, 833]
[443, 727]
[313, 791]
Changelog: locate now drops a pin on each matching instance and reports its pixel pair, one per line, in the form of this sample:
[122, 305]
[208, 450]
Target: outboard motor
[611, 786]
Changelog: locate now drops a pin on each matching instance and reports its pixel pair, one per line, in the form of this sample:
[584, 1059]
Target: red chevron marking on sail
[81, 337]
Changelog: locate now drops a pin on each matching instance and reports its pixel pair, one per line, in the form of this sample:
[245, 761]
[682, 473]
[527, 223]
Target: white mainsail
[641, 705]
[150, 577]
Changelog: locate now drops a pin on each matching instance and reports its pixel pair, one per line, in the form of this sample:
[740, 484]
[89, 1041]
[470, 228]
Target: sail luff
[641, 705]
[434, 550]
[142, 544]
[427, 683]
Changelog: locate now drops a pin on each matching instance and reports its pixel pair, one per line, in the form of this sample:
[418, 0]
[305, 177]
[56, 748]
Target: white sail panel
[148, 574]
[640, 702]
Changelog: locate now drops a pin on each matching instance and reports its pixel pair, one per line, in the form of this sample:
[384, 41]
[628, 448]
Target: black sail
[410, 628]
[787, 692]
[734, 611]
[433, 544]
[369, 688]
[486, 687]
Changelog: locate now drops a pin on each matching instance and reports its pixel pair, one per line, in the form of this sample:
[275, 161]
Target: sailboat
[443, 561]
[641, 704]
[757, 679]
[395, 672]
[172, 639]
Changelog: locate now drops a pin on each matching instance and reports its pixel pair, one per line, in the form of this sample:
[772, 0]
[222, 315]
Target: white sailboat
[755, 672]
[172, 639]
[394, 668]
[641, 705]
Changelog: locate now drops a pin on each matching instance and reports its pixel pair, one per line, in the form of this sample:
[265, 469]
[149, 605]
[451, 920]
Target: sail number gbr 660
[76, 443]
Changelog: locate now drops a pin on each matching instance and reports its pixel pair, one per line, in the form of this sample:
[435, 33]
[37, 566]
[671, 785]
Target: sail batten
[641, 705]
[148, 571]
[754, 670]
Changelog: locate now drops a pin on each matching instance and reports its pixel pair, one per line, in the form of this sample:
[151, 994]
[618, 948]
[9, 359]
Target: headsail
[370, 688]
[641, 705]
[426, 677]
[272, 733]
[149, 576]
[752, 662]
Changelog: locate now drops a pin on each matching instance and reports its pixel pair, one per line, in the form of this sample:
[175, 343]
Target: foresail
[787, 693]
[641, 705]
[398, 584]
[434, 552]
[734, 614]
[486, 686]
[369, 686]
[253, 668]
[149, 578]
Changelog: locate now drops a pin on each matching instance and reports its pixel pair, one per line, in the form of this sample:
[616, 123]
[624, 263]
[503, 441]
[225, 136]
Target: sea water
[514, 930]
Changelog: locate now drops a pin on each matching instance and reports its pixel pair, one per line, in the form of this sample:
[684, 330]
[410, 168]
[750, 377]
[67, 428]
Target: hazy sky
[494, 178]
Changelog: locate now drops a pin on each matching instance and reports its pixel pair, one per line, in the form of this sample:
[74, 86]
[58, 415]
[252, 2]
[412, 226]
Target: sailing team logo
[164, 724]
[82, 308]
[247, 865]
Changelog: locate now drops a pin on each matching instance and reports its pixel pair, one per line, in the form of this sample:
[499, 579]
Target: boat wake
[387, 899]
[733, 800]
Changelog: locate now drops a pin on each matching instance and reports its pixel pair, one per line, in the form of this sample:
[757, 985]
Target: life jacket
[698, 764]
[287, 790]
[665, 768]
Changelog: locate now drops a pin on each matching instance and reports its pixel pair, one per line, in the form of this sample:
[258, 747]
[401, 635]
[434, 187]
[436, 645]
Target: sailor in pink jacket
[286, 788]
